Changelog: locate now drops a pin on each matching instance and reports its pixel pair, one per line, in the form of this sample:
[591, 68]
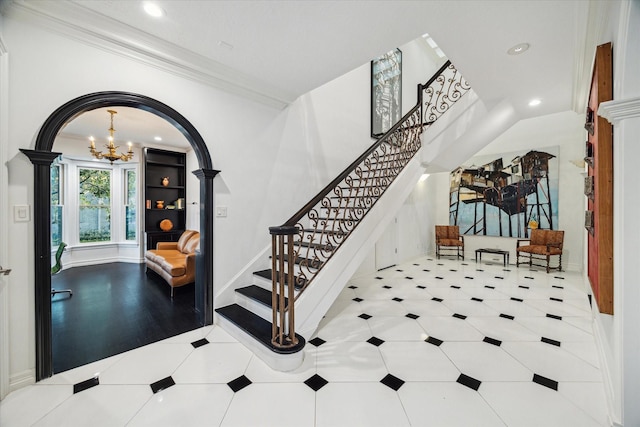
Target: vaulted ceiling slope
[274, 51]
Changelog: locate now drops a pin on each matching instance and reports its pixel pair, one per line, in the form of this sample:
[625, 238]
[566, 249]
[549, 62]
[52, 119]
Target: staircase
[305, 277]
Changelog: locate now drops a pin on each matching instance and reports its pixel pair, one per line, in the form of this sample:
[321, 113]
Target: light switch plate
[221, 211]
[21, 213]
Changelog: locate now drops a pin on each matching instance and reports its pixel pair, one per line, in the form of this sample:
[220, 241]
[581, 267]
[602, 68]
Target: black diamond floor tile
[365, 316]
[392, 382]
[353, 287]
[316, 382]
[421, 287]
[439, 278]
[479, 269]
[464, 263]
[499, 277]
[434, 341]
[489, 287]
[517, 299]
[455, 286]
[412, 316]
[356, 299]
[451, 269]
[556, 299]
[493, 341]
[523, 287]
[379, 278]
[436, 299]
[557, 287]
[553, 316]
[86, 384]
[317, 341]
[544, 381]
[550, 341]
[409, 277]
[399, 270]
[200, 343]
[476, 299]
[528, 277]
[507, 316]
[558, 277]
[398, 299]
[468, 277]
[459, 316]
[387, 287]
[239, 383]
[375, 341]
[468, 381]
[162, 384]
[426, 270]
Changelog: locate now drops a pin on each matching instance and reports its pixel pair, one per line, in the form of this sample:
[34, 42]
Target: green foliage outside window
[94, 205]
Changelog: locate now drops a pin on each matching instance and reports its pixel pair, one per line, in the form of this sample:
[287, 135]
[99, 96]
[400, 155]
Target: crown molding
[86, 26]
[618, 110]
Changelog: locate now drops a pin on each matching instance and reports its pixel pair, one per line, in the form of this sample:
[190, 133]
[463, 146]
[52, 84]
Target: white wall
[315, 137]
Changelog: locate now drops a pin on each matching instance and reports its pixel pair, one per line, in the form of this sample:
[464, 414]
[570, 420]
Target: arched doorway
[42, 157]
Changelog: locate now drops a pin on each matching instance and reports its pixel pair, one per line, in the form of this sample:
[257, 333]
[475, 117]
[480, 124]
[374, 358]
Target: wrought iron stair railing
[304, 244]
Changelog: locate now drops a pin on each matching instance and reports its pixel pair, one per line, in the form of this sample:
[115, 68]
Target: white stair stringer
[316, 300]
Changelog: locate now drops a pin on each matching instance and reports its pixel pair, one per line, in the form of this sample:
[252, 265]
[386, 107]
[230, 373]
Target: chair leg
[548, 260]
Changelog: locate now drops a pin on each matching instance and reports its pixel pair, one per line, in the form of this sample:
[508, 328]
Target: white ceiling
[283, 49]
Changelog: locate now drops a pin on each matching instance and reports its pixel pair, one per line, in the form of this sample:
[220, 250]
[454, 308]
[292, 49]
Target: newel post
[283, 334]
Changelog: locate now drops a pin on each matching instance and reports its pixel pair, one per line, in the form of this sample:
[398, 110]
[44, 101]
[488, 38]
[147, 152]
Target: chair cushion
[174, 266]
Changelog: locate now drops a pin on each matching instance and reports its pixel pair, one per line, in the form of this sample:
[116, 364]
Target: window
[56, 205]
[94, 207]
[131, 195]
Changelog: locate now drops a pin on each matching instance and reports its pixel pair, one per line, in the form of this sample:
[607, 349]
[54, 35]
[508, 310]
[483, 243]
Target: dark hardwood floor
[115, 307]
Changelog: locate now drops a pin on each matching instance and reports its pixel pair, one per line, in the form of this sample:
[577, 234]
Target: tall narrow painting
[386, 92]
[506, 196]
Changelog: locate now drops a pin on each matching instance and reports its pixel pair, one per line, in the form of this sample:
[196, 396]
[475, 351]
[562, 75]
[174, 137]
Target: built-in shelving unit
[158, 165]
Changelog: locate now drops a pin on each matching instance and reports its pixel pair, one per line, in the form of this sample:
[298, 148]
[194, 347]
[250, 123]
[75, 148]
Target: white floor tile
[552, 362]
[418, 361]
[213, 363]
[277, 405]
[349, 361]
[449, 328]
[555, 329]
[26, 406]
[426, 308]
[260, 372]
[146, 365]
[532, 405]
[502, 329]
[485, 362]
[396, 329]
[446, 404]
[348, 327]
[185, 405]
[104, 405]
[359, 405]
[84, 372]
[470, 308]
[589, 397]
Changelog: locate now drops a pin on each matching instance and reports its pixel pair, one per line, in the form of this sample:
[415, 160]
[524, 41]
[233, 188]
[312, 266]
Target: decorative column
[204, 257]
[42, 234]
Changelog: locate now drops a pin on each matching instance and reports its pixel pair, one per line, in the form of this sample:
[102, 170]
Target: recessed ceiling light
[157, 138]
[518, 49]
[153, 9]
[534, 102]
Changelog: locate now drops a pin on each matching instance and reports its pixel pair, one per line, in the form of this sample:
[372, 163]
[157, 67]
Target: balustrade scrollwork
[309, 239]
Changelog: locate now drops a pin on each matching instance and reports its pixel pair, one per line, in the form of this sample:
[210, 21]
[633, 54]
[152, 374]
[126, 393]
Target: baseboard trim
[601, 341]
[22, 379]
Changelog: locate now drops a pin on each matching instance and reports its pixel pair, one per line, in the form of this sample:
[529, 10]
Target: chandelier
[111, 153]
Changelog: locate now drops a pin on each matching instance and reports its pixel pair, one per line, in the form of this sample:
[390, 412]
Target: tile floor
[428, 343]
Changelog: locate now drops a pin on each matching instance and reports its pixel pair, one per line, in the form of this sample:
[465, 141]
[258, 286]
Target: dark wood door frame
[42, 157]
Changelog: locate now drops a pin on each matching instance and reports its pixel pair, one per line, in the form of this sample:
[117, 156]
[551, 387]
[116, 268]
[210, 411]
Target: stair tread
[258, 294]
[257, 327]
[323, 247]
